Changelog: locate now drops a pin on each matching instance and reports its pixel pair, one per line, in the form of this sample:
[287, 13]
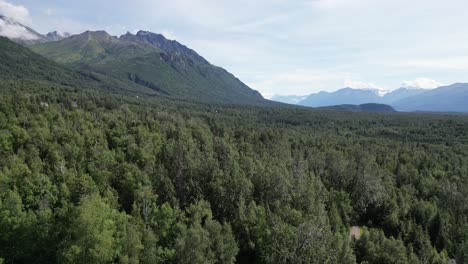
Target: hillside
[20, 63]
[378, 108]
[156, 63]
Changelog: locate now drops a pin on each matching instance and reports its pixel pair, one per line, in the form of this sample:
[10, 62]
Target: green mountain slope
[17, 62]
[20, 63]
[170, 69]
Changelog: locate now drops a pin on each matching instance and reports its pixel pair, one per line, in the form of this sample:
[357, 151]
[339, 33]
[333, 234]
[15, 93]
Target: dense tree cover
[87, 177]
[372, 107]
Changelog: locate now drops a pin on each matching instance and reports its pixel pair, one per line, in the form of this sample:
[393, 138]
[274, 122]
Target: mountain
[90, 48]
[150, 60]
[342, 96]
[452, 98]
[18, 63]
[289, 99]
[160, 42]
[377, 108]
[18, 32]
[401, 93]
[352, 96]
[57, 35]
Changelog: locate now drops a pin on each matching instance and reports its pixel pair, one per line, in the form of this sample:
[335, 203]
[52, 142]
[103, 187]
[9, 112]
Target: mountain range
[452, 98]
[371, 107]
[148, 64]
[289, 99]
[152, 61]
[144, 64]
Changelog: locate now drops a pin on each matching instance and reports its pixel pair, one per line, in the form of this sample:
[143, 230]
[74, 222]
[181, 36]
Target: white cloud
[10, 26]
[12, 30]
[16, 12]
[425, 83]
[362, 85]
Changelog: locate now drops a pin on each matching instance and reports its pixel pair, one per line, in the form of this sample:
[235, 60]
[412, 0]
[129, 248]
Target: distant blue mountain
[343, 96]
[452, 98]
[402, 93]
[289, 99]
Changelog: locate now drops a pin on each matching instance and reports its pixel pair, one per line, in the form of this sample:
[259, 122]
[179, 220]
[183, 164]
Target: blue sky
[288, 47]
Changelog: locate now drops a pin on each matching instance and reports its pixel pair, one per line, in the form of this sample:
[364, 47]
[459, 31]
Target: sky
[287, 47]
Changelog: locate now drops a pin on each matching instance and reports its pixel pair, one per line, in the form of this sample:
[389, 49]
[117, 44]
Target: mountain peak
[145, 33]
[412, 88]
[159, 41]
[57, 35]
[99, 35]
[149, 63]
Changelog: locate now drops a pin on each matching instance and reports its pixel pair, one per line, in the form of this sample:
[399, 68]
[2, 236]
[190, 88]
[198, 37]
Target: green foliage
[93, 233]
[361, 108]
[88, 176]
[204, 240]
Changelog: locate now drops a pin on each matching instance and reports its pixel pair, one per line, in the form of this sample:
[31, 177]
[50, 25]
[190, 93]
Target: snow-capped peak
[421, 83]
[378, 91]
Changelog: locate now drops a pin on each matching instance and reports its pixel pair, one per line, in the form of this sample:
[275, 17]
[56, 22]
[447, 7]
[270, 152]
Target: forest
[88, 176]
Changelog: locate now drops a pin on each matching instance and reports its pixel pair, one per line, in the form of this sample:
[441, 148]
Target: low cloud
[16, 12]
[13, 30]
[362, 85]
[424, 83]
[14, 17]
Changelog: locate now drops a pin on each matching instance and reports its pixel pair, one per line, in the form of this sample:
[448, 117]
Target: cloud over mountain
[16, 12]
[424, 83]
[13, 19]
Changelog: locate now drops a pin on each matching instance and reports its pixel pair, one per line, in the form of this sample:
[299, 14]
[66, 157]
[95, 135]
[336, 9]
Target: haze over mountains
[452, 98]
